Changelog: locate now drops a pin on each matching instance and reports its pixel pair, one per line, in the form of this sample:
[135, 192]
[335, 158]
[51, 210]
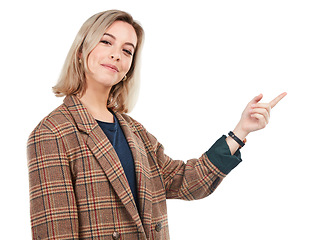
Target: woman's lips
[110, 67]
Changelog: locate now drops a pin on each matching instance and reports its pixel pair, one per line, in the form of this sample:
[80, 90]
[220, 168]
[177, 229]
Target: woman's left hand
[257, 115]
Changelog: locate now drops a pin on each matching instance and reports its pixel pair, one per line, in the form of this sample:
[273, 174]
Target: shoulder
[55, 122]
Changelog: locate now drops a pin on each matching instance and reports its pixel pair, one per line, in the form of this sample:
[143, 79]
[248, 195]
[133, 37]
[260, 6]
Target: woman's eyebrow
[127, 43]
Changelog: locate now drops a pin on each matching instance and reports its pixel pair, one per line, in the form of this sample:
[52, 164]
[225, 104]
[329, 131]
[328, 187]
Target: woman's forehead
[122, 31]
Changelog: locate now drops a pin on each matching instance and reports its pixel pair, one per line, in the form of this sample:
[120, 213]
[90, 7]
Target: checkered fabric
[78, 189]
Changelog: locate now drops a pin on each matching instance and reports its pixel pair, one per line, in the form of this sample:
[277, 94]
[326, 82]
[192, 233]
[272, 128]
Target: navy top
[117, 138]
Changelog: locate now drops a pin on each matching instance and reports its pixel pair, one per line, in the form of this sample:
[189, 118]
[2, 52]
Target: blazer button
[158, 227]
[116, 236]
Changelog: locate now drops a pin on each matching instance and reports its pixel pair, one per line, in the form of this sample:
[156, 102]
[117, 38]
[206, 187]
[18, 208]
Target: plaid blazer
[78, 189]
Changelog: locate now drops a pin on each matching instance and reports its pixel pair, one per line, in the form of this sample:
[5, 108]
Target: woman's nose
[115, 55]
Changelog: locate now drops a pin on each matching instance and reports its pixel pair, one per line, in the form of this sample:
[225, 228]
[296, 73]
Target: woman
[96, 173]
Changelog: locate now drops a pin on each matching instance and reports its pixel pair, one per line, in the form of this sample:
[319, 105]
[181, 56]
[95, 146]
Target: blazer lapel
[105, 154]
[142, 170]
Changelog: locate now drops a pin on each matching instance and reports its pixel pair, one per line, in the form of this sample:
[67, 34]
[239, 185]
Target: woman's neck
[96, 104]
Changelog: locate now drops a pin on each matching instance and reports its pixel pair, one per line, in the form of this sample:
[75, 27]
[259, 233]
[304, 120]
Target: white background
[202, 63]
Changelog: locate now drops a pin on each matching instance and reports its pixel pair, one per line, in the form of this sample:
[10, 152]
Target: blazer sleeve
[196, 178]
[52, 200]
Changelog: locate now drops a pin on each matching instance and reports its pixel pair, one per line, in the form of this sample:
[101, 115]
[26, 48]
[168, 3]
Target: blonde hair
[123, 95]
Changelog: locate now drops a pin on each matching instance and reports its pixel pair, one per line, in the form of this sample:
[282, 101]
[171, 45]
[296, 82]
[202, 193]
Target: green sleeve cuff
[219, 154]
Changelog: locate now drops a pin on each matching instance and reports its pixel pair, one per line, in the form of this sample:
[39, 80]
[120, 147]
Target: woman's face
[111, 59]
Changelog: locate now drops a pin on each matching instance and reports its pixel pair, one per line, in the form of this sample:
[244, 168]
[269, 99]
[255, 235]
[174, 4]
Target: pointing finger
[277, 99]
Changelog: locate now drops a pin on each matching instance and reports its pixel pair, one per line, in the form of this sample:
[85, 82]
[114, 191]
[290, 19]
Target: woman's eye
[128, 52]
[105, 42]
